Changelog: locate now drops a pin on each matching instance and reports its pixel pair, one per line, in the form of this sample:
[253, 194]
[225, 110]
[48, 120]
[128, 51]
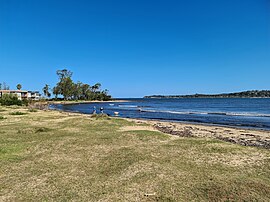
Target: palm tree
[19, 86]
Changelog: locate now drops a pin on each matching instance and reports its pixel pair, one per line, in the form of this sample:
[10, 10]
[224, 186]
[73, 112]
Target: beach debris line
[185, 132]
[232, 135]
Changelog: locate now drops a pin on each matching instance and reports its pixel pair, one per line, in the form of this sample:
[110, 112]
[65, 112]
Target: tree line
[69, 90]
[244, 94]
[65, 89]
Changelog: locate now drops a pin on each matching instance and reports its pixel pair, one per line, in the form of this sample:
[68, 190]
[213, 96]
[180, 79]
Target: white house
[22, 94]
[33, 95]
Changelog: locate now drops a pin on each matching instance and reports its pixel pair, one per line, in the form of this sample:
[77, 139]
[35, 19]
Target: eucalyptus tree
[74, 91]
[65, 85]
[96, 87]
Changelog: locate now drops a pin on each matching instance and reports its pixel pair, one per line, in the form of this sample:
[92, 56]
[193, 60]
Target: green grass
[17, 113]
[32, 110]
[100, 116]
[1, 117]
[52, 156]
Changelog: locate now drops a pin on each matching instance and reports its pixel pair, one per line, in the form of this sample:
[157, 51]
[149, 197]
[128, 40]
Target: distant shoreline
[171, 97]
[244, 94]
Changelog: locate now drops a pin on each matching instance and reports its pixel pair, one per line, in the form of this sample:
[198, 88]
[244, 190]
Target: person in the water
[101, 110]
[94, 110]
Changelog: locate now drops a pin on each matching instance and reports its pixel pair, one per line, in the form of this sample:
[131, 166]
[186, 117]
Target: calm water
[251, 113]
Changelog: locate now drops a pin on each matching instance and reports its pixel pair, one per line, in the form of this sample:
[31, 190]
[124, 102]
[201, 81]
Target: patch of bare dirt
[137, 128]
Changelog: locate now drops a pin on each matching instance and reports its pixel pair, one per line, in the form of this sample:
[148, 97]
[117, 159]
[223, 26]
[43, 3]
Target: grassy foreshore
[54, 156]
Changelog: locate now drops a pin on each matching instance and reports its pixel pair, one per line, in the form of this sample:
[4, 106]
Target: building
[33, 95]
[22, 94]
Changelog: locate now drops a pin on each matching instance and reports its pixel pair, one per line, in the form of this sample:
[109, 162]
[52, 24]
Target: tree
[85, 91]
[56, 91]
[46, 90]
[77, 90]
[96, 87]
[5, 86]
[65, 85]
[74, 91]
[19, 86]
[64, 73]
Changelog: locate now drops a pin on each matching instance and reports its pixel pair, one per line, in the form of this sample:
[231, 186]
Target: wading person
[94, 110]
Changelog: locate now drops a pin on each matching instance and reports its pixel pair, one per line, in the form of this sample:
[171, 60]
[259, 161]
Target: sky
[137, 47]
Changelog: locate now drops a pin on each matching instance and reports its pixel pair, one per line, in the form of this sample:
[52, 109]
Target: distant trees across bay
[75, 91]
[244, 94]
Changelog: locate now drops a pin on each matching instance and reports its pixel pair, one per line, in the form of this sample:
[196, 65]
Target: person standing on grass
[101, 110]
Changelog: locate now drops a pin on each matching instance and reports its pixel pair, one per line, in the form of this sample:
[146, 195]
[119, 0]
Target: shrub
[8, 100]
[25, 102]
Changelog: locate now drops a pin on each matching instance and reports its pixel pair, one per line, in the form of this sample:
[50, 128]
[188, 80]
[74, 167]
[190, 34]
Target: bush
[25, 102]
[8, 100]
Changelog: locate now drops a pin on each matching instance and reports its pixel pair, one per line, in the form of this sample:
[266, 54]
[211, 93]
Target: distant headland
[244, 94]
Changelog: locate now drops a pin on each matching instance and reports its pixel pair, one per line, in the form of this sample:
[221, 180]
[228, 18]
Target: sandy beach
[241, 136]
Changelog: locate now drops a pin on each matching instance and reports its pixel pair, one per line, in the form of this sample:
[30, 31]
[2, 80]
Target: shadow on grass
[31, 130]
[17, 113]
[2, 118]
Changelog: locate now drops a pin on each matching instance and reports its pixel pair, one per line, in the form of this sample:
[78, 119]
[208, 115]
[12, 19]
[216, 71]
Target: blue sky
[138, 47]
